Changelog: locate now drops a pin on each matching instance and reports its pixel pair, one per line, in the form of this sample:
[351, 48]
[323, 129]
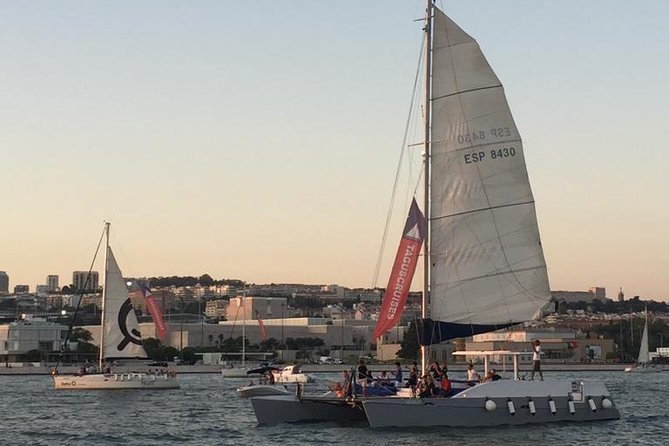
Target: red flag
[263, 330]
[154, 311]
[404, 267]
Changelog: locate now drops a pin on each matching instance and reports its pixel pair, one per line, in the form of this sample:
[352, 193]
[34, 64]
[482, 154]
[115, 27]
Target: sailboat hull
[116, 381]
[515, 402]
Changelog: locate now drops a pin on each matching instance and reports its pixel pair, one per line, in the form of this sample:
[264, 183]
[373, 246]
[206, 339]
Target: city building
[4, 282]
[621, 295]
[52, 283]
[248, 307]
[598, 292]
[21, 289]
[17, 339]
[82, 282]
[216, 309]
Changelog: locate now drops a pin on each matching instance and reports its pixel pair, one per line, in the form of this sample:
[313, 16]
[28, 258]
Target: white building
[18, 338]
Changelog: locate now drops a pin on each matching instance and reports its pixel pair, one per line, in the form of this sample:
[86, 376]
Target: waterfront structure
[558, 345]
[81, 282]
[4, 282]
[52, 283]
[17, 339]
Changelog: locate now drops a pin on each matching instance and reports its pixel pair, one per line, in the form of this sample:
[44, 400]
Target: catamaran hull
[290, 409]
[116, 381]
[262, 390]
[493, 404]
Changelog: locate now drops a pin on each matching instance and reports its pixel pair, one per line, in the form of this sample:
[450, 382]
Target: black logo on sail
[135, 336]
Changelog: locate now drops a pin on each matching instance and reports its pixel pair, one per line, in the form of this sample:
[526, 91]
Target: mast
[426, 207]
[104, 294]
[244, 330]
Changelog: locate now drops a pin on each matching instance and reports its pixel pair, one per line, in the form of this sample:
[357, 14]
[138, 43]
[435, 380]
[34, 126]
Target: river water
[207, 411]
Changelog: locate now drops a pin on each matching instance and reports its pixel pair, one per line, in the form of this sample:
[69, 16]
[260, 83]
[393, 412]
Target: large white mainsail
[122, 338]
[488, 267]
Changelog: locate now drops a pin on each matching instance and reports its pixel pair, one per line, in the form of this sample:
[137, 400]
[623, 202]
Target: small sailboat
[643, 364]
[120, 338]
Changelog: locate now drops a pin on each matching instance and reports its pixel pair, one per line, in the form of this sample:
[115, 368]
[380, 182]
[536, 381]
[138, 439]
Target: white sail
[122, 338]
[488, 265]
[643, 350]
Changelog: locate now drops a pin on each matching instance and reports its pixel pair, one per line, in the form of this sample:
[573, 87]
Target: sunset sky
[259, 140]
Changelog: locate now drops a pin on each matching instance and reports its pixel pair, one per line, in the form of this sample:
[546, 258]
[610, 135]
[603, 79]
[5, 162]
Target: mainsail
[643, 350]
[122, 338]
[488, 268]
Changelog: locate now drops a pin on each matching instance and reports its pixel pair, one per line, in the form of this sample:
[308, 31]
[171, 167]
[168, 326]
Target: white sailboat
[485, 268]
[484, 264]
[643, 364]
[119, 338]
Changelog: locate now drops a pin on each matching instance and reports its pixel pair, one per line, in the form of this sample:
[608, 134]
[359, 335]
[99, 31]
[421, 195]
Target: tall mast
[244, 330]
[426, 176]
[104, 294]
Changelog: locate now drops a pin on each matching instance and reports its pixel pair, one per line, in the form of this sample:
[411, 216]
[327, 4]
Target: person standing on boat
[398, 374]
[536, 360]
[472, 375]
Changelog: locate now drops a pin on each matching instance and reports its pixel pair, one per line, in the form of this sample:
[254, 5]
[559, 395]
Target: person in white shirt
[536, 359]
[472, 376]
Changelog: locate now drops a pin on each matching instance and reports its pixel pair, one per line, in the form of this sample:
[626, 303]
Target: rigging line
[490, 208]
[384, 238]
[81, 295]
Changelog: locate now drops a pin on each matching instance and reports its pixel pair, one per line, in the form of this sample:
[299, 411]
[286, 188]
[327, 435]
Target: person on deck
[445, 385]
[536, 360]
[435, 370]
[472, 375]
[398, 374]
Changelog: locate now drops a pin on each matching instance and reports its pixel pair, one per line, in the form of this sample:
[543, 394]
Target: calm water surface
[207, 411]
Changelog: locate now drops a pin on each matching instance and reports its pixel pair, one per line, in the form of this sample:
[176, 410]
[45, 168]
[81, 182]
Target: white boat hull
[497, 403]
[116, 381]
[262, 390]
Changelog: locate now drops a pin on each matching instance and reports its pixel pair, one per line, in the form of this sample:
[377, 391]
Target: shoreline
[323, 368]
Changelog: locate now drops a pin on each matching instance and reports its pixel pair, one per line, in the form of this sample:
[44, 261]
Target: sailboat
[484, 264]
[119, 338]
[643, 364]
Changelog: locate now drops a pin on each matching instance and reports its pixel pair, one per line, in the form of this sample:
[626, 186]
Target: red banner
[263, 330]
[157, 316]
[154, 310]
[402, 273]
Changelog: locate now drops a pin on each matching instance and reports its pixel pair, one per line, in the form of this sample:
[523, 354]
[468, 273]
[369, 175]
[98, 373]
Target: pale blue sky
[258, 140]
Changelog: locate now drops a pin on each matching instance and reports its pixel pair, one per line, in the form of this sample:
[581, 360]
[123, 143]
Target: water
[207, 411]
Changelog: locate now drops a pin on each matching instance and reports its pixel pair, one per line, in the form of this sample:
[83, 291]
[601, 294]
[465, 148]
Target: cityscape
[305, 322]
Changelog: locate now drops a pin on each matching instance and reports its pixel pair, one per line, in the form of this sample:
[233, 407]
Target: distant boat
[119, 338]
[643, 364]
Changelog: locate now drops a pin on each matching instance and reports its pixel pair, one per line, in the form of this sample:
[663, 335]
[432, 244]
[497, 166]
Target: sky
[259, 140]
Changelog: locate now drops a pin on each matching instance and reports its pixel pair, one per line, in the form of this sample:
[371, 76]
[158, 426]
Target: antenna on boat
[426, 176]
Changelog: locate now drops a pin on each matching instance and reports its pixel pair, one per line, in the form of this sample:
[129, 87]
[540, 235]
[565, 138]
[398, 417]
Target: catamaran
[484, 266]
[119, 338]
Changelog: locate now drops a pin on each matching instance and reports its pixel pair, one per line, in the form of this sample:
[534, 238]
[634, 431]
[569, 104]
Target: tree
[206, 280]
[81, 335]
[410, 345]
